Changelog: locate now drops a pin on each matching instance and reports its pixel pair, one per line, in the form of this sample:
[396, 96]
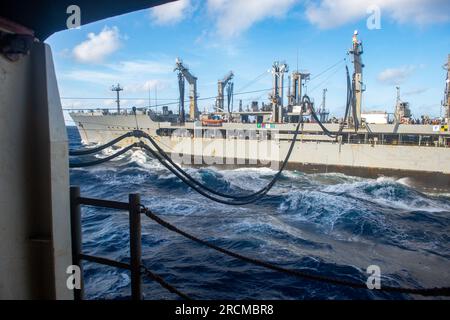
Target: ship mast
[447, 90]
[117, 88]
[357, 84]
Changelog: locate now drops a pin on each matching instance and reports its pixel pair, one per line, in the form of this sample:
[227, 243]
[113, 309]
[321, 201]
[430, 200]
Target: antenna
[117, 88]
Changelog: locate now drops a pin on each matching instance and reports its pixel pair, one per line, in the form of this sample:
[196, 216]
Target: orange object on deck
[212, 122]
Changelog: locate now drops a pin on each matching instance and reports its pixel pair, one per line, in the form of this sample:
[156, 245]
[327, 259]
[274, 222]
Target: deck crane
[230, 88]
[276, 97]
[183, 73]
[221, 85]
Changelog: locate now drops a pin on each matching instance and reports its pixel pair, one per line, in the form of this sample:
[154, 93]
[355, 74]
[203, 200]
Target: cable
[195, 187]
[176, 101]
[444, 291]
[307, 101]
[253, 81]
[99, 161]
[163, 283]
[100, 148]
[327, 69]
[183, 175]
[196, 182]
[187, 179]
[170, 103]
[323, 82]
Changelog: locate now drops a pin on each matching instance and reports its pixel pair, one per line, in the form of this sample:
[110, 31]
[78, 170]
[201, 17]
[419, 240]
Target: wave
[327, 223]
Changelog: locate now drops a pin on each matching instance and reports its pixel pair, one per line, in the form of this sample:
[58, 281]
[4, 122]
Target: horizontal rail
[104, 261]
[103, 203]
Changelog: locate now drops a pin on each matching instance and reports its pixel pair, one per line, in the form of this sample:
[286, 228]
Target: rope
[99, 161]
[445, 291]
[163, 283]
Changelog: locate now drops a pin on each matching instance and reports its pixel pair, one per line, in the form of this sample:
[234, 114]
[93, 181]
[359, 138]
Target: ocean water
[328, 224]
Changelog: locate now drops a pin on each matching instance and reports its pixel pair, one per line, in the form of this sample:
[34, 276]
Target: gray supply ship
[366, 144]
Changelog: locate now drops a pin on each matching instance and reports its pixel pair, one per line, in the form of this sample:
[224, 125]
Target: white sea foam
[383, 191]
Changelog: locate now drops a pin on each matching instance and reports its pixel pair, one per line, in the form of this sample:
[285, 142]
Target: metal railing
[133, 206]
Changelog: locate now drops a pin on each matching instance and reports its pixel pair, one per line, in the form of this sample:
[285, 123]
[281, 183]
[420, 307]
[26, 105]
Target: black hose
[187, 179]
[179, 172]
[307, 101]
[349, 97]
[99, 148]
[102, 160]
[196, 182]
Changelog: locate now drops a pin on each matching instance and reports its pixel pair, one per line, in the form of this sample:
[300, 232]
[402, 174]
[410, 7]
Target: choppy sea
[325, 223]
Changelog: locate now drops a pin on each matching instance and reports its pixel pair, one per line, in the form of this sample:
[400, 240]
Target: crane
[278, 71]
[221, 84]
[183, 73]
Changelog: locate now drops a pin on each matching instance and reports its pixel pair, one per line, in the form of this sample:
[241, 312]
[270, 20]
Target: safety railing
[133, 206]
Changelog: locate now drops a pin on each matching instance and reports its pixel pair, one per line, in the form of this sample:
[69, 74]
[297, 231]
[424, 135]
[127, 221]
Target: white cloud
[171, 12]
[394, 76]
[98, 46]
[109, 102]
[145, 86]
[236, 16]
[136, 76]
[142, 66]
[332, 13]
[97, 77]
[415, 91]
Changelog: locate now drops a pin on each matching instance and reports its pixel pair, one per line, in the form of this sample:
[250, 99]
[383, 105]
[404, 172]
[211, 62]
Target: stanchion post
[76, 235]
[135, 245]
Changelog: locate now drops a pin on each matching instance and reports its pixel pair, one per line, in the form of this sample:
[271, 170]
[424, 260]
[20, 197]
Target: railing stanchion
[135, 245]
[75, 225]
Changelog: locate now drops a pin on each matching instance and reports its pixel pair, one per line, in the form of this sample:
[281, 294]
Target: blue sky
[215, 36]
